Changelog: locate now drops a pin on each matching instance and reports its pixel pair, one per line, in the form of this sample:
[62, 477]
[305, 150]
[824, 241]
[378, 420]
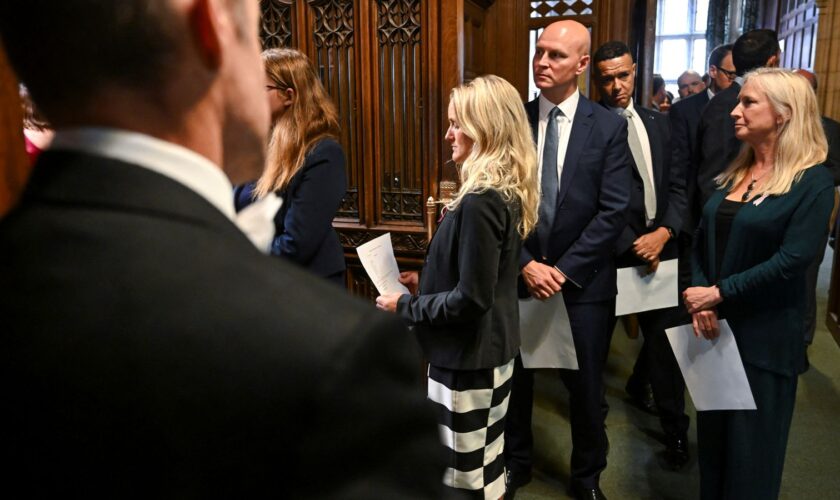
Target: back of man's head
[754, 49]
[717, 55]
[67, 51]
[610, 50]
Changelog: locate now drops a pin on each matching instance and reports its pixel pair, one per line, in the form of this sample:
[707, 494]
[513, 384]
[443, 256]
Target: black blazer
[669, 184]
[717, 145]
[832, 135]
[594, 194]
[150, 350]
[303, 225]
[684, 117]
[466, 315]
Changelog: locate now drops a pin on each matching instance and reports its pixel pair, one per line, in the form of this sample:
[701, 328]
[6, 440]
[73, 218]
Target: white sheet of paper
[257, 221]
[377, 256]
[639, 292]
[712, 369]
[546, 334]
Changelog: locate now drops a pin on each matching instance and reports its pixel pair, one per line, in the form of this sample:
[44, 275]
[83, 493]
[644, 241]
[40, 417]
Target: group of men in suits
[629, 184]
[620, 203]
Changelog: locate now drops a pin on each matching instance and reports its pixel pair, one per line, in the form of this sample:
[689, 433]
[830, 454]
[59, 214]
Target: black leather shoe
[581, 493]
[514, 481]
[642, 397]
[676, 452]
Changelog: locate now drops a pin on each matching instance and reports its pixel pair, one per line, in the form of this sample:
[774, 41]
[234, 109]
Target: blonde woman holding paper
[466, 314]
[758, 234]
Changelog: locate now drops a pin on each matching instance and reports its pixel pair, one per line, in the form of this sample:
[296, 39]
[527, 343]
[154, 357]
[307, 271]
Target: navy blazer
[303, 225]
[669, 184]
[685, 120]
[762, 274]
[717, 145]
[832, 135]
[594, 194]
[466, 315]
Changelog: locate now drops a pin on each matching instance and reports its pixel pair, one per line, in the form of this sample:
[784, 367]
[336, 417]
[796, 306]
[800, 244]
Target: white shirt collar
[629, 108]
[710, 93]
[568, 106]
[178, 163]
[739, 80]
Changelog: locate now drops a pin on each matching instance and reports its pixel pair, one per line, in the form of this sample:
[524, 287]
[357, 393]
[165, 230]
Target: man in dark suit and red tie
[585, 170]
[657, 203]
[149, 349]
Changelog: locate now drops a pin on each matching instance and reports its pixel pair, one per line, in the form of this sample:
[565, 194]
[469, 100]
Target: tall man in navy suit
[685, 119]
[717, 145]
[585, 170]
[657, 202]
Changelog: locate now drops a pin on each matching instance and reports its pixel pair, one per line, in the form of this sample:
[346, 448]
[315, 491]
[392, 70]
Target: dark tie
[549, 184]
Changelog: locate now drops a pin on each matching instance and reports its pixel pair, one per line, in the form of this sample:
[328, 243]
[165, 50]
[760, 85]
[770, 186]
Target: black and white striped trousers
[471, 408]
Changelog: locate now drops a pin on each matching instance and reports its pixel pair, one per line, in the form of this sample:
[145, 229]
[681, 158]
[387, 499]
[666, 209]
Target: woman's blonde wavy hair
[490, 112]
[311, 117]
[801, 140]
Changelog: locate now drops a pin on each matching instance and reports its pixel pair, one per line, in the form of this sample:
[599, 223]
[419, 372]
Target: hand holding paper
[712, 369]
[377, 257]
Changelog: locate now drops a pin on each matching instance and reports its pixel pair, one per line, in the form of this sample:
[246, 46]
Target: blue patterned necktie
[549, 183]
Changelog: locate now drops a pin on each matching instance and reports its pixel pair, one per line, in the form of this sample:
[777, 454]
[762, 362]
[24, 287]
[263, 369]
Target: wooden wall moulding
[333, 49]
[277, 23]
[399, 121]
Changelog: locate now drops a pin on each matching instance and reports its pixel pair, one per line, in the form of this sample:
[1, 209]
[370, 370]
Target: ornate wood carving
[411, 243]
[561, 8]
[400, 121]
[334, 44]
[276, 27]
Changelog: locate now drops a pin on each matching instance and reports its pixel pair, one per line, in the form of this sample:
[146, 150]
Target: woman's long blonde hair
[311, 117]
[490, 112]
[801, 141]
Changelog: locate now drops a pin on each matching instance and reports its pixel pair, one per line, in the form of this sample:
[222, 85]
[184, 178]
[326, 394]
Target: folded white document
[377, 257]
[546, 334]
[639, 291]
[257, 221]
[712, 369]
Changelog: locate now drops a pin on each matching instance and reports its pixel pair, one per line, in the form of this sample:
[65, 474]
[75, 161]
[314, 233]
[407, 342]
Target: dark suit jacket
[150, 350]
[303, 225]
[762, 274]
[594, 194]
[684, 117]
[717, 145]
[466, 315]
[670, 192]
[832, 134]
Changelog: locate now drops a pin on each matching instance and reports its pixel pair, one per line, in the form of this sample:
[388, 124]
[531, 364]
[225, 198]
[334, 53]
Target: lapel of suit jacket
[581, 128]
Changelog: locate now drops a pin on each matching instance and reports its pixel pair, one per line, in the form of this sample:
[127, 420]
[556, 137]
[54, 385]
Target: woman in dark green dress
[757, 235]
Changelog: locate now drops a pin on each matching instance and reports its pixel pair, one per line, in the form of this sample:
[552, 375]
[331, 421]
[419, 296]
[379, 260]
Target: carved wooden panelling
[276, 26]
[411, 243]
[400, 85]
[333, 38]
[557, 8]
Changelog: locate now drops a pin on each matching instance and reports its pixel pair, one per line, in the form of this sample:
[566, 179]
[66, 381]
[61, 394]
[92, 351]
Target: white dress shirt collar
[568, 106]
[178, 163]
[710, 93]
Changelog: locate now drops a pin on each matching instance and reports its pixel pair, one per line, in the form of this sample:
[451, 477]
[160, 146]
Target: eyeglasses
[727, 73]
